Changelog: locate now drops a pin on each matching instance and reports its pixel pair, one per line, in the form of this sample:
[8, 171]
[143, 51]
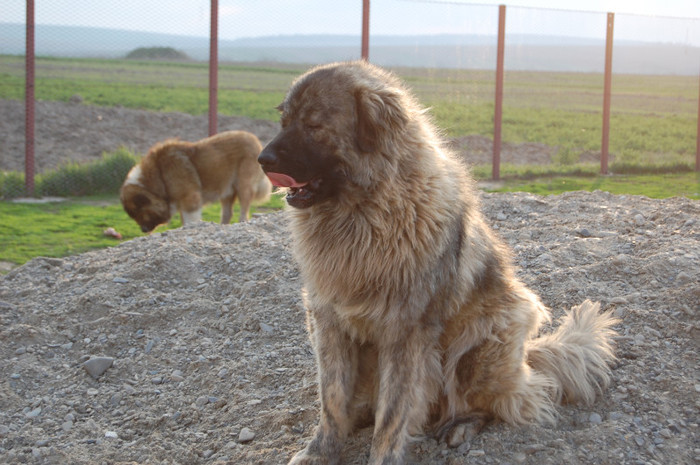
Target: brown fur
[184, 176]
[414, 310]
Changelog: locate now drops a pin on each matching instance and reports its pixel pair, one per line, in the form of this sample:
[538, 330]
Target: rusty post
[365, 30]
[498, 110]
[29, 101]
[606, 94]
[697, 138]
[213, 67]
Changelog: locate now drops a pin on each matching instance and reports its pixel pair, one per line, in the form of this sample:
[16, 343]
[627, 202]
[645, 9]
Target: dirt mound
[73, 132]
[211, 363]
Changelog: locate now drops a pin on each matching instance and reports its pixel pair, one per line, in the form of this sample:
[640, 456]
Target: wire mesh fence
[112, 78]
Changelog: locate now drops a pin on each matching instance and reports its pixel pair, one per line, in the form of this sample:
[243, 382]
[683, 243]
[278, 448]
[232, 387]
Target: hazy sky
[635, 19]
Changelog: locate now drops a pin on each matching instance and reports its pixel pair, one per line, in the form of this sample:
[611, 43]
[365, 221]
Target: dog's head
[338, 121]
[147, 209]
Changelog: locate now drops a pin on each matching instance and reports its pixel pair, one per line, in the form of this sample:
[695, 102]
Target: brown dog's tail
[263, 188]
[577, 355]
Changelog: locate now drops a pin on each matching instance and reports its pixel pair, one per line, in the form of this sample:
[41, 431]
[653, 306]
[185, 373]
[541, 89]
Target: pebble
[683, 278]
[111, 434]
[33, 413]
[177, 376]
[246, 435]
[97, 366]
[120, 280]
[595, 419]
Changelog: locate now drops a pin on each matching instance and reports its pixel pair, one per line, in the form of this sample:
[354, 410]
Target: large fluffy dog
[183, 176]
[413, 307]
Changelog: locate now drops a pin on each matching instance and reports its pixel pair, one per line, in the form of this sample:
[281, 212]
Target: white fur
[191, 217]
[134, 176]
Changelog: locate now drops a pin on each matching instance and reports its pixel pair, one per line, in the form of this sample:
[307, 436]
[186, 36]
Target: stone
[246, 435]
[97, 366]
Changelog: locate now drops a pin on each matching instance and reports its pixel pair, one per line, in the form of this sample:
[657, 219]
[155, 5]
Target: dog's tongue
[283, 180]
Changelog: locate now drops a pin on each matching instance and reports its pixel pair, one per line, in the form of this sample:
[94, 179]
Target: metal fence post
[697, 138]
[213, 67]
[365, 30]
[29, 104]
[498, 110]
[606, 94]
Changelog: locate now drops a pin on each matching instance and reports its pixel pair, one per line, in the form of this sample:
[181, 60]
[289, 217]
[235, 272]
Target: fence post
[29, 102]
[498, 110]
[697, 137]
[606, 94]
[213, 67]
[365, 30]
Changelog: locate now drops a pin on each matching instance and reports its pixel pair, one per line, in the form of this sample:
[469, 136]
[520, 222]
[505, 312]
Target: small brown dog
[414, 310]
[184, 176]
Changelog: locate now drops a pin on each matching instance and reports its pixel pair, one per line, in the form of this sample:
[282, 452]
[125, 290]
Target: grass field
[653, 122]
[58, 229]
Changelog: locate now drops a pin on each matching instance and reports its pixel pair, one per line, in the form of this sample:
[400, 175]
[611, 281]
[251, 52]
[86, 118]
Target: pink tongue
[282, 180]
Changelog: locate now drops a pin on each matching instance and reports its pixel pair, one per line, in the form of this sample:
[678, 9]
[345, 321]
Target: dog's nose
[267, 158]
[145, 229]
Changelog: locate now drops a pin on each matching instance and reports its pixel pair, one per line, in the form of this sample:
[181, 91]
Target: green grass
[104, 176]
[655, 186]
[58, 229]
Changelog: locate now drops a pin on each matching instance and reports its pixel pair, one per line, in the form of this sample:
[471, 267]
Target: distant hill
[157, 53]
[523, 52]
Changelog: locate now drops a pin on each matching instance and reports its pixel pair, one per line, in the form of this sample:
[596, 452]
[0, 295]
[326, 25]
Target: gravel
[210, 363]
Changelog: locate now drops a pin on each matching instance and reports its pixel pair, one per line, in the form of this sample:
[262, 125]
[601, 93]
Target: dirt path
[73, 132]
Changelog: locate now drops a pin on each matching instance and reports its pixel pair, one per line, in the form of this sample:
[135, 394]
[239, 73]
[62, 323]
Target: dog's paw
[305, 458]
[460, 432]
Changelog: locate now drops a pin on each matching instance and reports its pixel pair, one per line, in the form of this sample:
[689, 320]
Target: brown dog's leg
[337, 357]
[410, 370]
[227, 208]
[244, 200]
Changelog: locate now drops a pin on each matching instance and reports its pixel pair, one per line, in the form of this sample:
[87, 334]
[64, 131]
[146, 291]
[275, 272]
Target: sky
[676, 21]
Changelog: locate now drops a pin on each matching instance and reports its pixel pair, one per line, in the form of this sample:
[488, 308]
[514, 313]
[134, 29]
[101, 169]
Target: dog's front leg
[409, 372]
[336, 356]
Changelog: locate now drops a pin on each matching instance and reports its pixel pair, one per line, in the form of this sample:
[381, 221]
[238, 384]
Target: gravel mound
[197, 353]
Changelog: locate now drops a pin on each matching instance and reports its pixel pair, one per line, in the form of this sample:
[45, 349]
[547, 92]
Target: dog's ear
[379, 113]
[141, 201]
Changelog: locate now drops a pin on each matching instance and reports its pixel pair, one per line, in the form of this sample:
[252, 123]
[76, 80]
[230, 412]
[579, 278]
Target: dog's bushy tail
[262, 190]
[577, 355]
